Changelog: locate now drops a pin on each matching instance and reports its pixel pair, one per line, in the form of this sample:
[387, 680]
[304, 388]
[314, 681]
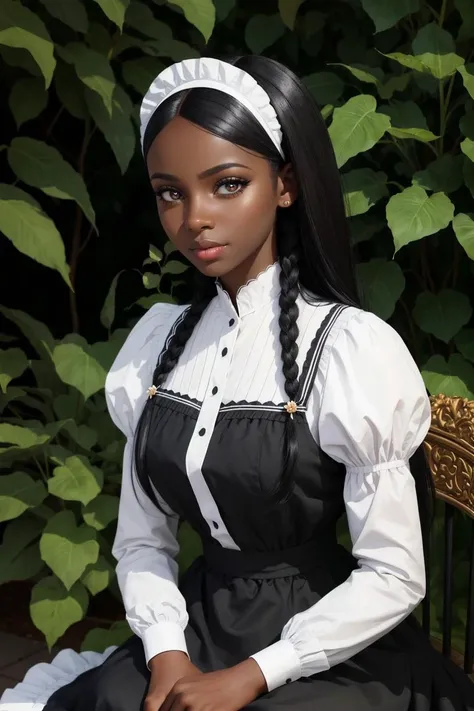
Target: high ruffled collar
[257, 292]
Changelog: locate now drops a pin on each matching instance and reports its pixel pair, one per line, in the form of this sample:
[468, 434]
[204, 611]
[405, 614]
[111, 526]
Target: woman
[275, 403]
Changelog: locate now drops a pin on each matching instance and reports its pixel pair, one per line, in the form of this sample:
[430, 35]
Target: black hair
[313, 238]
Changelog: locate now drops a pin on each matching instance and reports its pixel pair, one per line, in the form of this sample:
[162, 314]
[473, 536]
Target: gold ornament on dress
[291, 407]
[152, 390]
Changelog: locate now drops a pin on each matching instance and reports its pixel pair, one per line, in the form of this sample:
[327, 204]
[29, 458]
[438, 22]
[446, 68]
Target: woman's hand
[166, 669]
[227, 690]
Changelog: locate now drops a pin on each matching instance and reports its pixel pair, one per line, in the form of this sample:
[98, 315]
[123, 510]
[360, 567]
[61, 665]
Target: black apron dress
[239, 600]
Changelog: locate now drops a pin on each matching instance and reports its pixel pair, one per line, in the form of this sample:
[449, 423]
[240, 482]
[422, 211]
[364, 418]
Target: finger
[166, 704]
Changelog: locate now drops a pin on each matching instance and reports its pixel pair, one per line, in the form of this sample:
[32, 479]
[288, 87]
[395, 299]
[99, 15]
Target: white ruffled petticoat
[42, 680]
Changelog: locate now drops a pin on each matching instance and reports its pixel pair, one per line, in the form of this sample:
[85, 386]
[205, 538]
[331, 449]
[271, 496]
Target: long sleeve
[371, 413]
[145, 544]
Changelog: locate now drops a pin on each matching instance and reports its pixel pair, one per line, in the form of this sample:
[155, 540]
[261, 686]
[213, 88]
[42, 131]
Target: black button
[288, 681]
[215, 390]
[225, 351]
[232, 321]
[202, 432]
[215, 524]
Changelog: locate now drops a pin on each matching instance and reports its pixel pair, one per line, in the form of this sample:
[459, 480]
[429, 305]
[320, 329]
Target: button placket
[201, 437]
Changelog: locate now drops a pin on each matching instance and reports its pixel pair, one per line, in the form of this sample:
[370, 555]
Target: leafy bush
[395, 82]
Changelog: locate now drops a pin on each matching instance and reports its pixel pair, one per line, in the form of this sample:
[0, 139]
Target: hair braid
[288, 322]
[205, 292]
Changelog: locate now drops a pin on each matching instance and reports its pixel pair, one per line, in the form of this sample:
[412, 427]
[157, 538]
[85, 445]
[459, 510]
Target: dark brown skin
[199, 208]
[234, 207]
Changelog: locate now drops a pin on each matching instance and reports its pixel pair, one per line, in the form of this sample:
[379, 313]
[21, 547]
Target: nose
[198, 216]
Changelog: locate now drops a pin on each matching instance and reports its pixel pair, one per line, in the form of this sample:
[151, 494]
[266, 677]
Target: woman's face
[217, 202]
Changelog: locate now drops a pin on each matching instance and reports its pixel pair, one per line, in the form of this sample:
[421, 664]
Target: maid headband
[212, 73]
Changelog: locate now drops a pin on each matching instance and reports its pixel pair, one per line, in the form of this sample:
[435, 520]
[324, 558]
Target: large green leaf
[466, 125]
[21, 28]
[363, 188]
[107, 313]
[468, 174]
[83, 435]
[115, 10]
[467, 73]
[412, 215]
[36, 332]
[54, 609]
[443, 175]
[454, 378]
[407, 121]
[263, 31]
[364, 73]
[397, 82]
[288, 11]
[93, 69]
[68, 549]
[43, 167]
[76, 480]
[386, 13]
[364, 227]
[465, 343]
[466, 10]
[406, 60]
[32, 232]
[13, 363]
[19, 492]
[435, 49]
[99, 639]
[442, 314]
[139, 73]
[200, 13]
[356, 127]
[21, 437]
[77, 367]
[382, 284]
[101, 511]
[117, 128]
[70, 90]
[72, 13]
[19, 559]
[98, 576]
[463, 225]
[325, 87]
[28, 98]
[141, 18]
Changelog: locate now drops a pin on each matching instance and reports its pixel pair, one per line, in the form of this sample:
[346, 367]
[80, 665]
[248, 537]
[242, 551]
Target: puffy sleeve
[370, 413]
[145, 544]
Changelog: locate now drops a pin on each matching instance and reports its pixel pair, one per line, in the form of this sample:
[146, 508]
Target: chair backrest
[449, 447]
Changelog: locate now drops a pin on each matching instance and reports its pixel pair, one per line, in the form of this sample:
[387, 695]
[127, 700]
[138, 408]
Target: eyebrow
[204, 174]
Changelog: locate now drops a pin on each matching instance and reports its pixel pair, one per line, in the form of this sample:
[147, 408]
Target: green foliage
[395, 83]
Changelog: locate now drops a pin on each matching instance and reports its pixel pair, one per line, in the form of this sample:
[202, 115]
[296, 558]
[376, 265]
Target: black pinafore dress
[239, 600]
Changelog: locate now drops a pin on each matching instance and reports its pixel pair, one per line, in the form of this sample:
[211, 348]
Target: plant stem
[54, 122]
[40, 469]
[442, 14]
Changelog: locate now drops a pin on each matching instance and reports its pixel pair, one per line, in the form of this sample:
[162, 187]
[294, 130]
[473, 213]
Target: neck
[250, 268]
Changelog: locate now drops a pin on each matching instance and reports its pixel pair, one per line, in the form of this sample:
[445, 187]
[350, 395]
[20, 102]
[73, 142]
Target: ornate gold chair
[449, 447]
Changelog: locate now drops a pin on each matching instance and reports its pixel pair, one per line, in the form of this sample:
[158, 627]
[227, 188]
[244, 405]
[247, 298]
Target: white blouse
[368, 410]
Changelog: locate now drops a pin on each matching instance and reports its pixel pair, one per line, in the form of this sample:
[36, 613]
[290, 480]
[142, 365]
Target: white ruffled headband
[212, 73]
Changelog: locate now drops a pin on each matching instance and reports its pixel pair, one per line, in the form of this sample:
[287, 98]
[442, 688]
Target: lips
[206, 244]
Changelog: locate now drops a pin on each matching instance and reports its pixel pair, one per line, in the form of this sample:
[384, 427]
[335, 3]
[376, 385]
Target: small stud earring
[287, 203]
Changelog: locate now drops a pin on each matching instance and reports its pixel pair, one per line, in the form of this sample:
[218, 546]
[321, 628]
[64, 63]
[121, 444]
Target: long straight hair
[313, 238]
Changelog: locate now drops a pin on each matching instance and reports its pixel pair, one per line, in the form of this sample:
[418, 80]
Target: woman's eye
[231, 187]
[168, 195]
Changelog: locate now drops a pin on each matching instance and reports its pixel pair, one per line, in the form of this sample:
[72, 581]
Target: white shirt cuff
[279, 664]
[163, 637]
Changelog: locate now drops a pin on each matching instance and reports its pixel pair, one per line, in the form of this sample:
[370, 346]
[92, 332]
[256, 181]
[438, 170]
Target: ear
[287, 189]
